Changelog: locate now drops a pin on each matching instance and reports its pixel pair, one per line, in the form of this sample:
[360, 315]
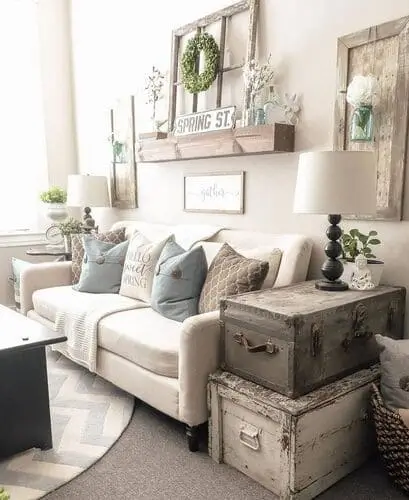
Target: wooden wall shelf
[259, 139]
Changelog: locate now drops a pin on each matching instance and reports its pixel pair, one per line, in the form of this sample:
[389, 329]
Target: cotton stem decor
[256, 76]
[154, 92]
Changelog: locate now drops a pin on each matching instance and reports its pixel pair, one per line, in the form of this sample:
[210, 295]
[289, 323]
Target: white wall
[116, 41]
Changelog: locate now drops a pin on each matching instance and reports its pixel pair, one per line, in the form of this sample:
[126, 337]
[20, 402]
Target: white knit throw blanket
[79, 323]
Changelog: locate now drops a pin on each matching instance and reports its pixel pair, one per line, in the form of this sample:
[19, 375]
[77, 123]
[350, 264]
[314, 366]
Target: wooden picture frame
[215, 192]
[383, 51]
[123, 163]
[199, 26]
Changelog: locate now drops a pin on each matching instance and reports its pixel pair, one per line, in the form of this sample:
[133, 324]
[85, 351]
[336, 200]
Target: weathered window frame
[199, 25]
[124, 187]
[391, 115]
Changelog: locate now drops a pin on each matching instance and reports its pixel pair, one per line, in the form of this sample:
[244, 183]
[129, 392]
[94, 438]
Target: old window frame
[199, 26]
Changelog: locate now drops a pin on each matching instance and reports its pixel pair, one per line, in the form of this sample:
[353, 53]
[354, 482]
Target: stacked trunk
[291, 407]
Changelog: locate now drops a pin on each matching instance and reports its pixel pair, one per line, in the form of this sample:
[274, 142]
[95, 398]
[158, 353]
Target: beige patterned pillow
[77, 248]
[229, 274]
[139, 268]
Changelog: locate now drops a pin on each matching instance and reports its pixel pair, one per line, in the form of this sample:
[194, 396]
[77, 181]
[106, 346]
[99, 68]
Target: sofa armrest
[43, 275]
[199, 355]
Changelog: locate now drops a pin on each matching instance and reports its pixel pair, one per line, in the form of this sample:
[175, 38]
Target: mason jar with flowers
[257, 77]
[361, 94]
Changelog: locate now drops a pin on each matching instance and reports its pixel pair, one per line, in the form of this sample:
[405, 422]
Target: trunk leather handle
[268, 347]
[360, 331]
[393, 307]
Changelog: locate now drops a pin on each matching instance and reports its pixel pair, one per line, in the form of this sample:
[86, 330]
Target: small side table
[61, 255]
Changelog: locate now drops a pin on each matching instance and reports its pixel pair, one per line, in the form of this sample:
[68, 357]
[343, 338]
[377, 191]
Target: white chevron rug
[88, 414]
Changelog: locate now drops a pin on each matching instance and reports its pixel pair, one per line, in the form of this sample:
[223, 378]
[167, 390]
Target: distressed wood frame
[124, 189]
[391, 114]
[215, 211]
[199, 26]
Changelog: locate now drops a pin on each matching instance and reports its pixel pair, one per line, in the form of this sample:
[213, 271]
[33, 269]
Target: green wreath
[198, 82]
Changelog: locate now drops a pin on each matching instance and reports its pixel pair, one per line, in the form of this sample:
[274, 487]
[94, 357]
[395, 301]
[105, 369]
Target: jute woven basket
[393, 440]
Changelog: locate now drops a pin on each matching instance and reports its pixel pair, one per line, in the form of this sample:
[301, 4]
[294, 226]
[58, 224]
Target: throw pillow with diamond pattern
[229, 274]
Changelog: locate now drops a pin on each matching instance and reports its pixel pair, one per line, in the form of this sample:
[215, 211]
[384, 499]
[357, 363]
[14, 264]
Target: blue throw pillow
[178, 281]
[102, 266]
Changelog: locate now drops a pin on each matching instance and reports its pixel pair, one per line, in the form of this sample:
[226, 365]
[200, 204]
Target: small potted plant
[55, 198]
[69, 227]
[355, 243]
[4, 495]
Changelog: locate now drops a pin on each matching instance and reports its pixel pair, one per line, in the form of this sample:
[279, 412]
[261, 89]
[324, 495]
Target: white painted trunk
[295, 448]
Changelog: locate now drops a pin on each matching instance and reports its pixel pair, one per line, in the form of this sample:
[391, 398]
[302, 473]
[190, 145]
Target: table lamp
[335, 183]
[88, 191]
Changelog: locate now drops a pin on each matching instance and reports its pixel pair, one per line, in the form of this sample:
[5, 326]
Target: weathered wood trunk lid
[295, 339]
[296, 448]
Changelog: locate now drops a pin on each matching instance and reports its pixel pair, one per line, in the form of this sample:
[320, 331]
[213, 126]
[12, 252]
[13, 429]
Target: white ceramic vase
[375, 266]
[57, 212]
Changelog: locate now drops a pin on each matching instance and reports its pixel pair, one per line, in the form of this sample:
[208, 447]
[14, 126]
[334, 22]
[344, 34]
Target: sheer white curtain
[23, 163]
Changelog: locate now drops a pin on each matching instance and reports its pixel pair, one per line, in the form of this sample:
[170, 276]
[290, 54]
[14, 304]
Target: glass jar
[362, 124]
[273, 112]
[259, 120]
[250, 112]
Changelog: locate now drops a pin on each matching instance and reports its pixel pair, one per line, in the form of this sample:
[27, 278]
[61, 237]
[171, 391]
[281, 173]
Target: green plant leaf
[362, 238]
[354, 233]
[353, 249]
[374, 241]
[370, 256]
[373, 233]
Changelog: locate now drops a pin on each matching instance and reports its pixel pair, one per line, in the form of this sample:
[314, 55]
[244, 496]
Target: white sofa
[162, 362]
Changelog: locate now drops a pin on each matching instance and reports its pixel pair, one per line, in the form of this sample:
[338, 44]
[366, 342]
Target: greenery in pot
[54, 195]
[70, 226]
[4, 495]
[355, 243]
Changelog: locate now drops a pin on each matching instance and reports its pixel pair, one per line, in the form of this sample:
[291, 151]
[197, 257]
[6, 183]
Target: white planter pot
[376, 268]
[57, 212]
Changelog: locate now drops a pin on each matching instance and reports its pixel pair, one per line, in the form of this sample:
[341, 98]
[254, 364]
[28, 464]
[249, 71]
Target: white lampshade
[336, 182]
[87, 190]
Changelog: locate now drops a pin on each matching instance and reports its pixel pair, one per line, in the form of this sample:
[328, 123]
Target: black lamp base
[332, 268]
[331, 286]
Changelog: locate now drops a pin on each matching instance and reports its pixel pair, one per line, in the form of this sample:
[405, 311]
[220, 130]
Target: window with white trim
[23, 161]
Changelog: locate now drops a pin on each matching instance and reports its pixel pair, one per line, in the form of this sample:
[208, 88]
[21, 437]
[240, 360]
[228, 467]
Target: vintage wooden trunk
[296, 448]
[295, 339]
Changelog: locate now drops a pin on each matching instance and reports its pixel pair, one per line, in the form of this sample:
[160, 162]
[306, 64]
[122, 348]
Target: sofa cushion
[144, 337]
[102, 266]
[77, 248]
[229, 274]
[265, 253]
[48, 301]
[139, 268]
[394, 358]
[178, 281]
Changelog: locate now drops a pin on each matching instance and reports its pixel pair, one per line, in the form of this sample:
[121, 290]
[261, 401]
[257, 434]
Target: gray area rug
[150, 461]
[88, 415]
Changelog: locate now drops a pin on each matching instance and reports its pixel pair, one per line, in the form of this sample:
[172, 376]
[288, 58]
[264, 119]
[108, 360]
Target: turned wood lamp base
[332, 268]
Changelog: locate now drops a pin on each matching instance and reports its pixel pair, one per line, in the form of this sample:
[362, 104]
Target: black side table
[61, 255]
